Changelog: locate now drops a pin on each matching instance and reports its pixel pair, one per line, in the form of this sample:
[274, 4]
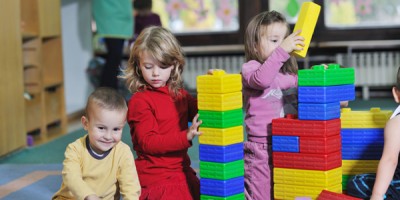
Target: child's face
[153, 72]
[272, 37]
[104, 127]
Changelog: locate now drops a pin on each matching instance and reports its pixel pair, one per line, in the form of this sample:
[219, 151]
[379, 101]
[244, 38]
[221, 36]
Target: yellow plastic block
[219, 82]
[374, 118]
[221, 137]
[304, 177]
[290, 192]
[219, 102]
[306, 22]
[353, 167]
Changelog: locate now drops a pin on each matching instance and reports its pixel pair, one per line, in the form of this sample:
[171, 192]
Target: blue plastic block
[326, 94]
[364, 136]
[221, 188]
[221, 154]
[285, 143]
[326, 111]
[362, 152]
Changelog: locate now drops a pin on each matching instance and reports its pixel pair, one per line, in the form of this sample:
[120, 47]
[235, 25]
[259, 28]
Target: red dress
[159, 125]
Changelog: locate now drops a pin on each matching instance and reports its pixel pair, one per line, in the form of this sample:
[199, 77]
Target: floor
[35, 172]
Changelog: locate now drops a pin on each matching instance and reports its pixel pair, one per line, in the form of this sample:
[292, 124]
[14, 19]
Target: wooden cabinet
[43, 65]
[32, 83]
[12, 113]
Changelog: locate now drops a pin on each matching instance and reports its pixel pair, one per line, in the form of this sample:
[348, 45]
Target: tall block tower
[221, 144]
[307, 155]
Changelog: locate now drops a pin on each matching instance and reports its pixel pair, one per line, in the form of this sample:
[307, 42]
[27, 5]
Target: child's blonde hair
[254, 33]
[162, 45]
[105, 98]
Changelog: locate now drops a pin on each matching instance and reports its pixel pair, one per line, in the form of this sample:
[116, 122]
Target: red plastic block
[307, 160]
[328, 195]
[310, 128]
[320, 145]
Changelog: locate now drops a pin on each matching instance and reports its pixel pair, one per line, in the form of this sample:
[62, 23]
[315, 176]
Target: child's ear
[396, 94]
[84, 122]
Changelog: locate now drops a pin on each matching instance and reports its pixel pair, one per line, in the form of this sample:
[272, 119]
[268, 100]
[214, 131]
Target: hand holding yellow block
[306, 22]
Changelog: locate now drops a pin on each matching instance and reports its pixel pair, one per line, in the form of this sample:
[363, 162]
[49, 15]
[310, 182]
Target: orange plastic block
[306, 22]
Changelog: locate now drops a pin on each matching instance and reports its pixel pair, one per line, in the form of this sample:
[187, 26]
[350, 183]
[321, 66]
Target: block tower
[221, 144]
[307, 151]
[362, 140]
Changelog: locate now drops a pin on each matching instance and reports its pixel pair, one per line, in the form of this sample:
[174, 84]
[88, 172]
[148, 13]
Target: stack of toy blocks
[221, 144]
[307, 151]
[362, 140]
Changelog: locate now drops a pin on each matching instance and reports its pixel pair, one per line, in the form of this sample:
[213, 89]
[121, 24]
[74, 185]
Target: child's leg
[175, 187]
[194, 183]
[361, 185]
[257, 172]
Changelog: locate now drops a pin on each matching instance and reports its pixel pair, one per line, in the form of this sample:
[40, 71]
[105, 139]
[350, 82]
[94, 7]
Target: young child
[144, 17]
[99, 165]
[158, 115]
[269, 79]
[387, 182]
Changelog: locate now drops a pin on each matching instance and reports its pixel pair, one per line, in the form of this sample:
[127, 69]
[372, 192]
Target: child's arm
[127, 175]
[72, 174]
[389, 159]
[145, 131]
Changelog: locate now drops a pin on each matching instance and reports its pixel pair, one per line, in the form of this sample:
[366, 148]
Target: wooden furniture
[12, 115]
[43, 66]
[32, 86]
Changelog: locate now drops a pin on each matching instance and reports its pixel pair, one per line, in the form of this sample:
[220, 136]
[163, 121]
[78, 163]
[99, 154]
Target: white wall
[77, 51]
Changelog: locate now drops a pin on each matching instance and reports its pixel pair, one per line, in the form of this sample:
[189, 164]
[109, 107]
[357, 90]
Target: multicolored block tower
[362, 140]
[307, 151]
[221, 144]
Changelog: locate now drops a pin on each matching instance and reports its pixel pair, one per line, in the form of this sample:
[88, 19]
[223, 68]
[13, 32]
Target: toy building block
[233, 197]
[375, 118]
[362, 152]
[326, 94]
[219, 83]
[353, 167]
[285, 143]
[221, 137]
[303, 177]
[366, 136]
[310, 128]
[221, 171]
[222, 188]
[221, 119]
[320, 145]
[221, 154]
[328, 195]
[289, 192]
[219, 102]
[306, 22]
[345, 179]
[319, 76]
[307, 160]
[323, 111]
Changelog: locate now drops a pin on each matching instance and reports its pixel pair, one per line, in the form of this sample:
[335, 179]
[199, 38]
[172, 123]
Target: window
[198, 16]
[289, 8]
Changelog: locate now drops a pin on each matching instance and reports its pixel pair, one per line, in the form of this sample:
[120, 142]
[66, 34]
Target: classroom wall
[77, 51]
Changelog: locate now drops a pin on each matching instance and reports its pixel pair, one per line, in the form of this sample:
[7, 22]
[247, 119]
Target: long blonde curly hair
[163, 46]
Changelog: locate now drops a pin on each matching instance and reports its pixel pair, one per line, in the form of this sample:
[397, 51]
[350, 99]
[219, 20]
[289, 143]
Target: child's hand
[290, 43]
[211, 71]
[193, 130]
[344, 104]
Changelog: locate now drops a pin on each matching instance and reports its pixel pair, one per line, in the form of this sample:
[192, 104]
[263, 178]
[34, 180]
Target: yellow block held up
[306, 22]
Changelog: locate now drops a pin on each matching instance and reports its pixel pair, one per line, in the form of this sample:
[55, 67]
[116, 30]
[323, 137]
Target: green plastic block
[221, 119]
[319, 76]
[221, 171]
[345, 179]
[233, 197]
